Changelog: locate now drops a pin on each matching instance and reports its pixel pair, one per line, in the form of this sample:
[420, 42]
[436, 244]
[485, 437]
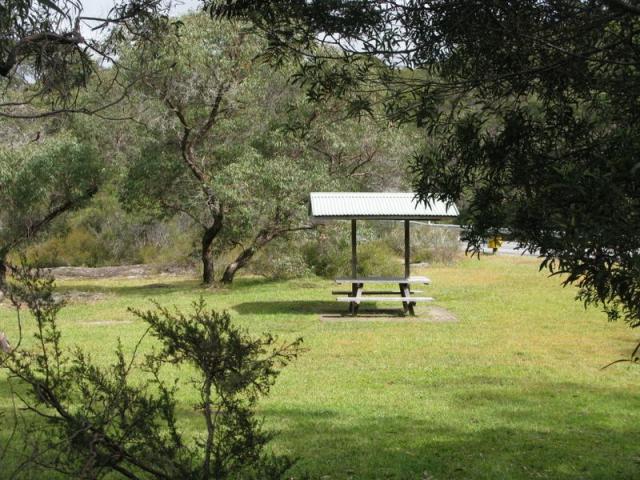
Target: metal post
[407, 251]
[354, 256]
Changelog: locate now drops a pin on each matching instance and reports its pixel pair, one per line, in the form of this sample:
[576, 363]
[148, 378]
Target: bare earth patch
[423, 314]
[77, 296]
[98, 323]
[122, 271]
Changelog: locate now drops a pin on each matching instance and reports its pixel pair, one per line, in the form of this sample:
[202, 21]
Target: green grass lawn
[513, 390]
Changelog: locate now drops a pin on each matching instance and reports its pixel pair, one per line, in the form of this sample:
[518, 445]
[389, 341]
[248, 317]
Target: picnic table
[358, 293]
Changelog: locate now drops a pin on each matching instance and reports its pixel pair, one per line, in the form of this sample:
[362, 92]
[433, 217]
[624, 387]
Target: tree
[39, 181]
[235, 146]
[197, 92]
[50, 51]
[533, 106]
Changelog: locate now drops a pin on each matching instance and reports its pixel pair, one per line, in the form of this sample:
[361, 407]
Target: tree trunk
[240, 261]
[3, 272]
[207, 252]
[247, 254]
[207, 249]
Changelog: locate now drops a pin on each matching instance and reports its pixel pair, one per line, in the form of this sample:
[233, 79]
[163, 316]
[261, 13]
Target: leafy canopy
[531, 106]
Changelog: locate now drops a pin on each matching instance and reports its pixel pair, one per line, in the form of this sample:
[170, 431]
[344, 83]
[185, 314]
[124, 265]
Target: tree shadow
[519, 436]
[145, 290]
[279, 307]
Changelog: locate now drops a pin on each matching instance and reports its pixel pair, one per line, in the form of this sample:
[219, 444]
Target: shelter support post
[354, 255]
[407, 249]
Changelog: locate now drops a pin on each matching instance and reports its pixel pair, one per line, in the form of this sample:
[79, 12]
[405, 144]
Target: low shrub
[329, 256]
[123, 419]
[430, 244]
[377, 258]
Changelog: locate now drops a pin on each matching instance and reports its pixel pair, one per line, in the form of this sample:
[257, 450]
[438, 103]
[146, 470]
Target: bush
[78, 247]
[100, 420]
[329, 255]
[428, 243]
[377, 258]
[102, 234]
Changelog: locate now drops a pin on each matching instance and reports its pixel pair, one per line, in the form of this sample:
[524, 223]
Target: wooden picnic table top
[424, 280]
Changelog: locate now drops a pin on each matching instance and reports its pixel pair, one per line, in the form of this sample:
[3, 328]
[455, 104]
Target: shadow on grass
[159, 286]
[280, 307]
[147, 290]
[546, 437]
[526, 433]
[327, 310]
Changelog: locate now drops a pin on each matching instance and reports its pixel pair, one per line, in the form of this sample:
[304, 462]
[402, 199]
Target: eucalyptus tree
[534, 106]
[233, 144]
[39, 181]
[209, 123]
[50, 50]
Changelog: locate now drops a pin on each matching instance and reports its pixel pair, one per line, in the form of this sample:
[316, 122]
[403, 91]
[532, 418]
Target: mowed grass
[513, 390]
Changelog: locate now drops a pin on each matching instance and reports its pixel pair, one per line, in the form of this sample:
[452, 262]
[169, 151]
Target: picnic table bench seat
[419, 279]
[367, 298]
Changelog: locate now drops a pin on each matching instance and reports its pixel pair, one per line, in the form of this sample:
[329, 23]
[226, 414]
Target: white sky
[100, 8]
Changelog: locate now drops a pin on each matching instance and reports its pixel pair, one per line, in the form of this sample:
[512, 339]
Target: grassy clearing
[513, 390]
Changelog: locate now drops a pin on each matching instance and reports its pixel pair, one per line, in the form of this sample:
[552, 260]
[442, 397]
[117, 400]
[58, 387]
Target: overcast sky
[99, 8]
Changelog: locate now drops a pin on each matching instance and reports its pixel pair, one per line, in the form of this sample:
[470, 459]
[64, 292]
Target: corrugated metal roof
[376, 205]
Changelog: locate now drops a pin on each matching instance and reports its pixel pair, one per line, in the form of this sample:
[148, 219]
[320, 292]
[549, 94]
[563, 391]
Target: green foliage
[40, 181]
[100, 420]
[282, 259]
[103, 234]
[236, 146]
[77, 248]
[428, 244]
[47, 60]
[533, 106]
[377, 258]
[329, 255]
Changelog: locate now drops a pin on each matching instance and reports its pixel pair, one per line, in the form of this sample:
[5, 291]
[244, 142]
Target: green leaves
[41, 181]
[233, 370]
[121, 419]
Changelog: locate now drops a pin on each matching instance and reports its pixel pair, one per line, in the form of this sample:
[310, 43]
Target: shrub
[327, 255]
[330, 256]
[97, 420]
[78, 247]
[428, 243]
[377, 258]
[103, 234]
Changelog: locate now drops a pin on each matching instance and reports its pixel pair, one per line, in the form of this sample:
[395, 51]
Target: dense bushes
[327, 251]
[103, 234]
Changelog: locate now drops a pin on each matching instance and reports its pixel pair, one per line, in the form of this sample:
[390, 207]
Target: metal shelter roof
[376, 205]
